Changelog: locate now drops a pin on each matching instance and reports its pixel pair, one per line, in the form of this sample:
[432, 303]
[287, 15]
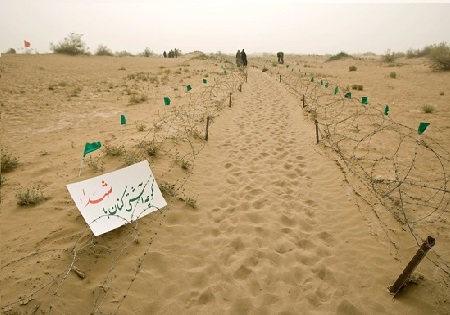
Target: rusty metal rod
[421, 252]
[317, 130]
[207, 127]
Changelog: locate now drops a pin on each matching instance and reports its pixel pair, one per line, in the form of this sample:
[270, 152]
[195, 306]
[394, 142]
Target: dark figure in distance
[280, 56]
[244, 58]
[165, 54]
[238, 58]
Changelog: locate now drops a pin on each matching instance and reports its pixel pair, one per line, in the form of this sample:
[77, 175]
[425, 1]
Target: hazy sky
[258, 26]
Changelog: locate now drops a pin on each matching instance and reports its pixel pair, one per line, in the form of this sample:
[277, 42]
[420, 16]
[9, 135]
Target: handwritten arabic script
[114, 199]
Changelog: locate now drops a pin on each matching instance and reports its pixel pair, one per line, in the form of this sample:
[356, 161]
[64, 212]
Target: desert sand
[260, 218]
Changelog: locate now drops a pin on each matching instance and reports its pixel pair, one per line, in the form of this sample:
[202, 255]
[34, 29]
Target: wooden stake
[240, 88]
[230, 100]
[421, 252]
[207, 127]
[303, 100]
[280, 78]
[317, 130]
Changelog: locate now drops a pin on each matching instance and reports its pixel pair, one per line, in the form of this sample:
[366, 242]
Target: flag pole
[81, 165]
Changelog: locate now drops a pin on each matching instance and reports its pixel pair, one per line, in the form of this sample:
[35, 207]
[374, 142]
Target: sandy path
[277, 230]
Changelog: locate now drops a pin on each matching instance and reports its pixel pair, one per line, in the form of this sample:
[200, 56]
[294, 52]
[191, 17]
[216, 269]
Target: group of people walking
[241, 58]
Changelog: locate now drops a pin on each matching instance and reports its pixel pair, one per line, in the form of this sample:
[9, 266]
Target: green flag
[188, 88]
[386, 110]
[298, 70]
[364, 100]
[90, 147]
[204, 81]
[326, 85]
[123, 120]
[336, 90]
[348, 95]
[292, 69]
[422, 127]
[166, 101]
[287, 66]
[312, 79]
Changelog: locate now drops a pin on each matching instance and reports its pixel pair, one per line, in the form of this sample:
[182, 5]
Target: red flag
[26, 44]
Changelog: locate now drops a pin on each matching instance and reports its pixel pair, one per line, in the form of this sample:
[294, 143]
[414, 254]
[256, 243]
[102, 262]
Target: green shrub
[31, 196]
[123, 53]
[147, 52]
[264, 69]
[393, 75]
[352, 68]
[71, 45]
[11, 51]
[428, 108]
[9, 162]
[439, 57]
[102, 50]
[341, 55]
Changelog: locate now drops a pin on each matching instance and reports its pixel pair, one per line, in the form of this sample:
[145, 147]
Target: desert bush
[191, 202]
[352, 68]
[390, 56]
[8, 162]
[167, 189]
[439, 57]
[102, 50]
[141, 127]
[96, 165]
[428, 108]
[123, 53]
[393, 75]
[11, 51]
[136, 99]
[274, 64]
[185, 165]
[75, 91]
[113, 150]
[264, 69]
[30, 196]
[132, 158]
[2, 180]
[341, 55]
[147, 52]
[441, 93]
[71, 45]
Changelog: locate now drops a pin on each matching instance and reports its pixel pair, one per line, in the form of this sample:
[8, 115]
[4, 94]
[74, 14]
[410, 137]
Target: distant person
[280, 56]
[238, 58]
[244, 58]
[165, 54]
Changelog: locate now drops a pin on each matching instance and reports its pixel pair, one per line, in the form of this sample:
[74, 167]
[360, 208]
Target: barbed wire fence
[408, 172]
[171, 145]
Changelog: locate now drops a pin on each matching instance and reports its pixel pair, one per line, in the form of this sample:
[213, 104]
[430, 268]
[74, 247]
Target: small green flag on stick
[336, 90]
[204, 81]
[348, 95]
[422, 127]
[298, 70]
[90, 147]
[123, 120]
[364, 100]
[326, 85]
[312, 79]
[188, 88]
[386, 110]
[166, 101]
[292, 69]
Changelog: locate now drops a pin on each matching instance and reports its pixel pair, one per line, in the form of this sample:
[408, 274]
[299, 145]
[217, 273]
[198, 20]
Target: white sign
[114, 199]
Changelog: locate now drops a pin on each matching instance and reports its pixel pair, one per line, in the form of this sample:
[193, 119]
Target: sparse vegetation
[428, 108]
[393, 75]
[167, 189]
[9, 162]
[113, 150]
[137, 99]
[441, 93]
[75, 91]
[141, 127]
[132, 158]
[102, 50]
[185, 165]
[147, 52]
[11, 51]
[191, 202]
[30, 196]
[390, 56]
[123, 53]
[71, 45]
[439, 57]
[264, 69]
[96, 165]
[341, 55]
[352, 68]
[358, 87]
